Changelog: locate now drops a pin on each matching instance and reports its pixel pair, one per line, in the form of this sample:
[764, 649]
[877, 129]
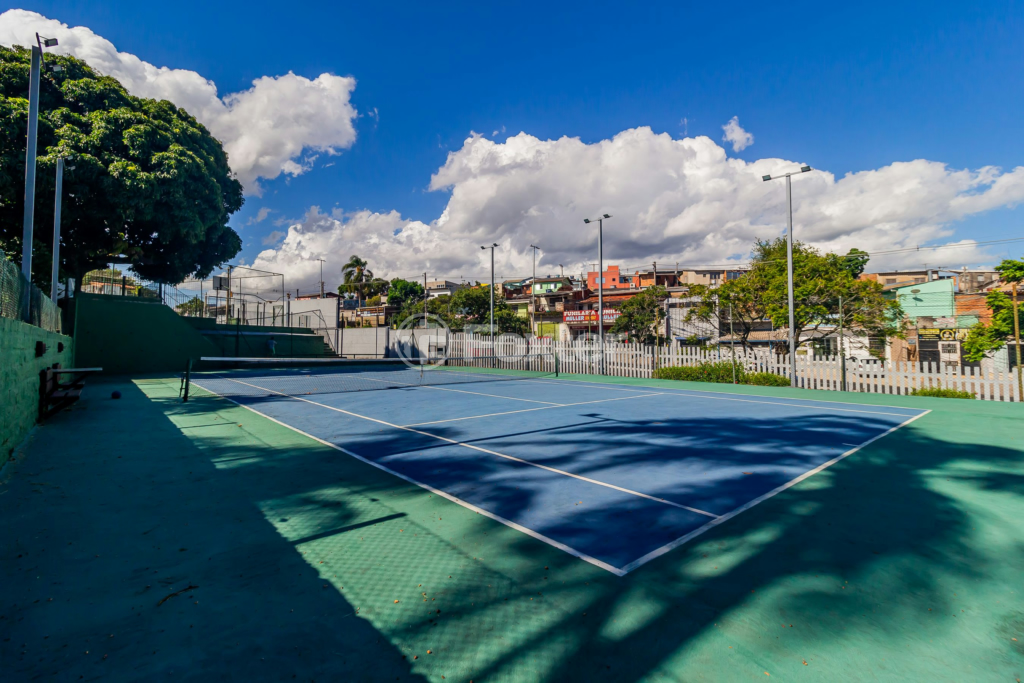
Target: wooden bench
[60, 387]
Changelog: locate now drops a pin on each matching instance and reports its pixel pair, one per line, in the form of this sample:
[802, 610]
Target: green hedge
[766, 379]
[720, 372]
[935, 392]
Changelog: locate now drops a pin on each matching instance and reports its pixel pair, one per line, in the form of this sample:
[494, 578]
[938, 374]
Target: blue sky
[844, 87]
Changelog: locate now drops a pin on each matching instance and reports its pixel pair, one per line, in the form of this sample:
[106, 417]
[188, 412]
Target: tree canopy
[639, 317]
[470, 306]
[150, 185]
[983, 338]
[357, 275]
[819, 281]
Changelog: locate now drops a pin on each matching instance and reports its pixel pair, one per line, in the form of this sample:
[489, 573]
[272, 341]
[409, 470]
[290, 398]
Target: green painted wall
[934, 299]
[19, 377]
[127, 335]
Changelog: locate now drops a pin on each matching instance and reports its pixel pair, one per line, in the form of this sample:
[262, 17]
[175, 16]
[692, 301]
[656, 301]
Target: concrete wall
[126, 335]
[19, 377]
[362, 342]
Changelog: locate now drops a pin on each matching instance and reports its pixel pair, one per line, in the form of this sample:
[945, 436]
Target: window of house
[890, 280]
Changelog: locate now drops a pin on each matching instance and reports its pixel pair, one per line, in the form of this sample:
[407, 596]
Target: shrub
[720, 372]
[766, 379]
[936, 392]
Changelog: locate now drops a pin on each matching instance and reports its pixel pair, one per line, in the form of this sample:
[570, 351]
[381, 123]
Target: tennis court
[615, 475]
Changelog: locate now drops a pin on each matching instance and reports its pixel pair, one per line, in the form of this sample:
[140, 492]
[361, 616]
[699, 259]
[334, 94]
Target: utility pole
[533, 293]
[561, 270]
[321, 277]
[425, 297]
[789, 265]
[600, 286]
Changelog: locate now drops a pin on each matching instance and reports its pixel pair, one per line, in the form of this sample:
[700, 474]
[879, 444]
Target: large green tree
[150, 186]
[640, 316]
[821, 282]
[401, 292]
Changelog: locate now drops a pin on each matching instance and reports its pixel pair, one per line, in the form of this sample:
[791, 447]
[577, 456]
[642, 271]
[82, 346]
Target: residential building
[549, 298]
[611, 279]
[436, 288]
[707, 277]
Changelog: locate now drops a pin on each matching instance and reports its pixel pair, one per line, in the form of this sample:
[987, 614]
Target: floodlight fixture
[789, 263]
[49, 42]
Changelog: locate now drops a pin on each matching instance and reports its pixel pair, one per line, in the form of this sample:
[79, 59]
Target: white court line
[692, 393]
[485, 450]
[461, 391]
[561, 546]
[760, 499]
[530, 410]
[480, 511]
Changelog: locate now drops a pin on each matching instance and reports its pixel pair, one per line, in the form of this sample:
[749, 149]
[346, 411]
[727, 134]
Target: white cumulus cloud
[269, 129]
[672, 200]
[734, 134]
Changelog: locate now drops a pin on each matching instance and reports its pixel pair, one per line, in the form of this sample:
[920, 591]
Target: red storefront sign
[589, 317]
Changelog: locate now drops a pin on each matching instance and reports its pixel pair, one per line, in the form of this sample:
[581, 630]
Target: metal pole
[30, 178]
[1016, 338]
[424, 299]
[533, 293]
[789, 277]
[56, 229]
[600, 295]
[492, 300]
[842, 356]
[732, 343]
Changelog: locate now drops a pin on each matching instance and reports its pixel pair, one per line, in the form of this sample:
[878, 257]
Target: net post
[556, 365]
[187, 379]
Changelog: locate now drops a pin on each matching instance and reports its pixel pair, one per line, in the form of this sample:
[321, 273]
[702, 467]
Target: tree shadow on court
[864, 553]
[173, 567]
[833, 574]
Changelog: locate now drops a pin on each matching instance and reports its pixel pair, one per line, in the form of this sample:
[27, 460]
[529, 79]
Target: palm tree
[355, 273]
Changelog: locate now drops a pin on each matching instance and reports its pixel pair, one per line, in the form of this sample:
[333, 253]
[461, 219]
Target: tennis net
[282, 377]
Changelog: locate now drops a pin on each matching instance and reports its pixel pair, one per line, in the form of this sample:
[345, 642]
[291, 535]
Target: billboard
[589, 317]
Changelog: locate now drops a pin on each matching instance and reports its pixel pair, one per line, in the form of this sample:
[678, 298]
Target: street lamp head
[606, 216]
[483, 247]
[766, 178]
[49, 42]
[805, 169]
[586, 220]
[494, 244]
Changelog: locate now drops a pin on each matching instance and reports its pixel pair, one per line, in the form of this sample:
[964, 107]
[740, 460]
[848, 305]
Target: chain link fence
[17, 294]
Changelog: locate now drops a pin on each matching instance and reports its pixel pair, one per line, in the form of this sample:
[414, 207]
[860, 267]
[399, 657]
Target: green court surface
[150, 539]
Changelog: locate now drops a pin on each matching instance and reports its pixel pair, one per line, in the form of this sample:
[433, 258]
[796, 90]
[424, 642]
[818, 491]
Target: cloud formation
[734, 134]
[672, 200]
[274, 127]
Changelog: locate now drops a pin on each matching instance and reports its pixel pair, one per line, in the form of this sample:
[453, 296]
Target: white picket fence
[582, 357]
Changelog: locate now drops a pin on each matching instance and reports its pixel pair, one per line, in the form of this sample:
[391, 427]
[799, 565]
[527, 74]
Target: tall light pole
[600, 286]
[55, 273]
[789, 264]
[493, 245]
[533, 292]
[322, 262]
[30, 167]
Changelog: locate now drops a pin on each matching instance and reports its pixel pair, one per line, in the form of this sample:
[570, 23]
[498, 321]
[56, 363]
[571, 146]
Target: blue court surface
[613, 474]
